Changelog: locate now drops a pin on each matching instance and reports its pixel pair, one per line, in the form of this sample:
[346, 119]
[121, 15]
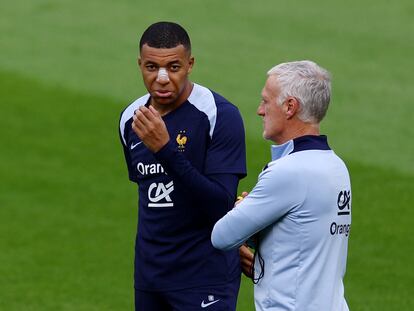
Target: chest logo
[344, 202]
[181, 141]
[159, 194]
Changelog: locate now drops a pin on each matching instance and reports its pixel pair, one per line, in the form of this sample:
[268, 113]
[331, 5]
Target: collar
[302, 143]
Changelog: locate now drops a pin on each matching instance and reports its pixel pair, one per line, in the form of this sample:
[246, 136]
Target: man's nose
[260, 110]
[163, 76]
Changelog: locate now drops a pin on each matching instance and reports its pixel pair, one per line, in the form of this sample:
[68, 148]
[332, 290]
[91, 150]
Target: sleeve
[276, 193]
[127, 154]
[215, 192]
[227, 151]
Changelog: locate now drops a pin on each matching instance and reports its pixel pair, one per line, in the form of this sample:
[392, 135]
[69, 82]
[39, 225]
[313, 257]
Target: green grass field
[68, 68]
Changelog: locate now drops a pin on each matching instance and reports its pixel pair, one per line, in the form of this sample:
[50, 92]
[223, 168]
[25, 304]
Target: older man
[299, 212]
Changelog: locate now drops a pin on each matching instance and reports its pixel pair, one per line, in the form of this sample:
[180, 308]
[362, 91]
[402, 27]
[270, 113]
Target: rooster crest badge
[181, 141]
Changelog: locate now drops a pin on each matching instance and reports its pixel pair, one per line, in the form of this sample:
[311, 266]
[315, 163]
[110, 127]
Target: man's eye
[174, 68]
[150, 67]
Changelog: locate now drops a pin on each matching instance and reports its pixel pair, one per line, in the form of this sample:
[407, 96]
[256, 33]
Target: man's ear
[292, 107]
[139, 62]
[191, 64]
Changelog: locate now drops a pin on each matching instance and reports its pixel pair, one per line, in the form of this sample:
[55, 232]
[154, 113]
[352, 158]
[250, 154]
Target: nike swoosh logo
[205, 305]
[134, 145]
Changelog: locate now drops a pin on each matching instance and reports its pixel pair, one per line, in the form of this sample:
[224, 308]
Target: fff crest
[181, 140]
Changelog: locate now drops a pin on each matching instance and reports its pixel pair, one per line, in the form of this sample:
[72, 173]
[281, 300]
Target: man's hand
[246, 255]
[150, 128]
[241, 197]
[246, 260]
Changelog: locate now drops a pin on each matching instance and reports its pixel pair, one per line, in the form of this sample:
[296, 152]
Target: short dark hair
[165, 35]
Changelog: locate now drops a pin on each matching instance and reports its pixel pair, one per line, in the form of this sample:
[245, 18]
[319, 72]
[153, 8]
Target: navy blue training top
[183, 190]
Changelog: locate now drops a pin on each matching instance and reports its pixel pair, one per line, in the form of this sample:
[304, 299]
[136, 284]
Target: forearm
[276, 193]
[215, 193]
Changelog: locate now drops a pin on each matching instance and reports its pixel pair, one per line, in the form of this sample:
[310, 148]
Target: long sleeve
[211, 190]
[277, 192]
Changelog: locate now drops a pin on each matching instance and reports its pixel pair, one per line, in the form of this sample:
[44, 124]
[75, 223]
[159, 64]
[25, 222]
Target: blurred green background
[67, 70]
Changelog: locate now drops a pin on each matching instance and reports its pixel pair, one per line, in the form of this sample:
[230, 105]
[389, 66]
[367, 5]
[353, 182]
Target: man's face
[274, 119]
[171, 89]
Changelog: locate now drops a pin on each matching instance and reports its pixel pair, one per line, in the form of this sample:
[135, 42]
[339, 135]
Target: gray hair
[309, 83]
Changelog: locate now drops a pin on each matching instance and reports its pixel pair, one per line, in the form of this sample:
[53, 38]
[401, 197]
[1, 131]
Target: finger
[138, 129]
[150, 118]
[247, 268]
[246, 260]
[244, 249]
[238, 200]
[245, 252]
[241, 197]
[138, 122]
[247, 271]
[150, 113]
[147, 125]
[136, 118]
[246, 265]
[154, 112]
[141, 117]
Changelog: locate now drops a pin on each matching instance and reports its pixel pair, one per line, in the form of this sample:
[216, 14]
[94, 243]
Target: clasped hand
[150, 128]
[245, 253]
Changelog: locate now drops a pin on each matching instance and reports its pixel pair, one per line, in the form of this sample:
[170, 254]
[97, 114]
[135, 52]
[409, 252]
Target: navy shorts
[212, 298]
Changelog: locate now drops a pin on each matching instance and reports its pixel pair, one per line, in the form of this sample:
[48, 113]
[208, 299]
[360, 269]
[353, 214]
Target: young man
[299, 212]
[184, 147]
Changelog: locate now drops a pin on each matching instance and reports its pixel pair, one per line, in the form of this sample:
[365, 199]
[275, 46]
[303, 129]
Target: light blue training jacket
[301, 210]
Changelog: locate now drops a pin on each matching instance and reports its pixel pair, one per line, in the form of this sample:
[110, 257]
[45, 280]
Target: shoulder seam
[203, 100]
